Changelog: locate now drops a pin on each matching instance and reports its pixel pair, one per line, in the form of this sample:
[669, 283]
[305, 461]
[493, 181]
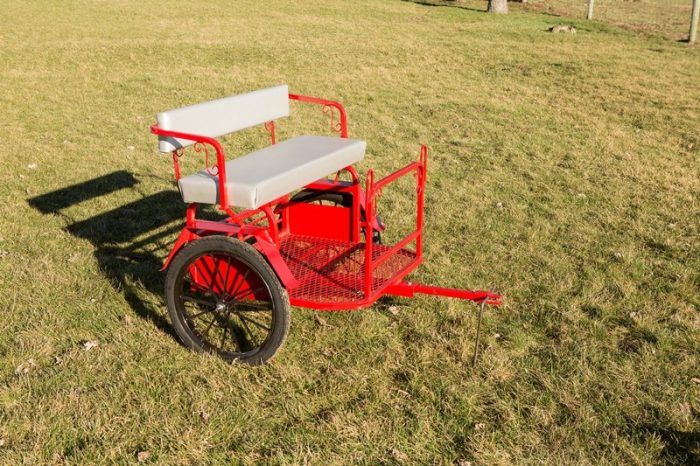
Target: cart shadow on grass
[445, 3]
[130, 240]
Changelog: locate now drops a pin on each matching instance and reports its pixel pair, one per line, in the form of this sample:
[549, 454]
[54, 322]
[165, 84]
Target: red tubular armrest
[329, 103]
[220, 156]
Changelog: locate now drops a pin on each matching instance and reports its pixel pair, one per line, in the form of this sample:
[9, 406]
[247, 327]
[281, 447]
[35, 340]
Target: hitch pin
[482, 305]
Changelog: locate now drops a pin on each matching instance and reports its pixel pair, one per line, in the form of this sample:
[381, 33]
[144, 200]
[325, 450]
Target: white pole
[693, 35]
[590, 9]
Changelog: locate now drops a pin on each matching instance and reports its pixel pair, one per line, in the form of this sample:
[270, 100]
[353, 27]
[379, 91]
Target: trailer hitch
[481, 297]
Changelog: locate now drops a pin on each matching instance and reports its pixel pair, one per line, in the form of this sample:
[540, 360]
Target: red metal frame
[324, 264]
[328, 105]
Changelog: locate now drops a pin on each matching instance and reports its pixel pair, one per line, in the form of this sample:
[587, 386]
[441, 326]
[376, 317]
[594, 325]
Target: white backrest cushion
[223, 116]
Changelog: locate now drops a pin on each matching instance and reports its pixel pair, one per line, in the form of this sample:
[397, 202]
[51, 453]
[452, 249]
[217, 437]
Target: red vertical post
[356, 195]
[270, 127]
[369, 231]
[356, 204]
[221, 171]
[284, 214]
[176, 165]
[343, 121]
[191, 215]
[421, 197]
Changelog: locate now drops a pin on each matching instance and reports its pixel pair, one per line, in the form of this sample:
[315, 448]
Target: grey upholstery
[267, 174]
[223, 116]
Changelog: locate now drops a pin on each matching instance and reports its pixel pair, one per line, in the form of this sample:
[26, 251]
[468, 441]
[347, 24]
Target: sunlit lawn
[563, 172]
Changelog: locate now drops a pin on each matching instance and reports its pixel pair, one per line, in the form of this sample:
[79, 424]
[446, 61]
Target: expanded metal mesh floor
[332, 271]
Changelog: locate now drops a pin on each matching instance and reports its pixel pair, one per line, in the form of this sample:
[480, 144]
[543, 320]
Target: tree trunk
[694, 16]
[589, 15]
[498, 6]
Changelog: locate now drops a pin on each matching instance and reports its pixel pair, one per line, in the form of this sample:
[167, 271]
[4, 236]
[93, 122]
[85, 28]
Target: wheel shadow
[130, 240]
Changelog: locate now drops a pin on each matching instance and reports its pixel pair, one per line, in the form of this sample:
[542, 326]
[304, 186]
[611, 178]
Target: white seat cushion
[262, 176]
[223, 116]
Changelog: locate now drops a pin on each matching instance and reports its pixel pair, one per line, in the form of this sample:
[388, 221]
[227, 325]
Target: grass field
[664, 18]
[669, 19]
[563, 171]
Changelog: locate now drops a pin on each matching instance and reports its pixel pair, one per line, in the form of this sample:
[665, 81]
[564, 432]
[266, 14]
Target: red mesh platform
[332, 272]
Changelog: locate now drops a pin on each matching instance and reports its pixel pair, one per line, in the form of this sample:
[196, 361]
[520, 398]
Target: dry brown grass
[664, 18]
[588, 143]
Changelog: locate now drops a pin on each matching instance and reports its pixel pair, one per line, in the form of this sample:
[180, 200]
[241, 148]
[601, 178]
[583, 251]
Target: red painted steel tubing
[369, 231]
[330, 103]
[220, 156]
[414, 166]
[372, 190]
[421, 198]
[270, 127]
[379, 260]
[409, 289]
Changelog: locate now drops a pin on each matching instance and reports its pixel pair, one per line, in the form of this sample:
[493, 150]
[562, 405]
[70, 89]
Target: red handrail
[329, 103]
[220, 156]
[372, 190]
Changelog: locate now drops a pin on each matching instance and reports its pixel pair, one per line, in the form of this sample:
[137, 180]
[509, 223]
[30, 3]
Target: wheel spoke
[223, 335]
[197, 287]
[252, 335]
[206, 331]
[248, 293]
[240, 283]
[239, 338]
[252, 307]
[215, 263]
[203, 302]
[254, 322]
[206, 311]
[196, 266]
[228, 268]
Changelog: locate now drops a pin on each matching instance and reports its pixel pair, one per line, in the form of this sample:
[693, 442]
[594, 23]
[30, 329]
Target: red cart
[295, 232]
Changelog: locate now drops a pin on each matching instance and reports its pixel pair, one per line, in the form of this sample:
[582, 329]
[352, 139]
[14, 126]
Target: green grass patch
[563, 171]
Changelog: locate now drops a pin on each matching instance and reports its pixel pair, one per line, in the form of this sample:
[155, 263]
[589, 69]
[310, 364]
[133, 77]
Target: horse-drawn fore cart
[295, 231]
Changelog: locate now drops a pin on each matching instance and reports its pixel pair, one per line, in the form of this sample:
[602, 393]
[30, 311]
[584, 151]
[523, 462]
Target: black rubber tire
[311, 196]
[218, 247]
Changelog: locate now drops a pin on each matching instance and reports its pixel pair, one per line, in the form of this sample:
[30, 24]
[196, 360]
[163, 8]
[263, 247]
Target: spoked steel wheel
[224, 298]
